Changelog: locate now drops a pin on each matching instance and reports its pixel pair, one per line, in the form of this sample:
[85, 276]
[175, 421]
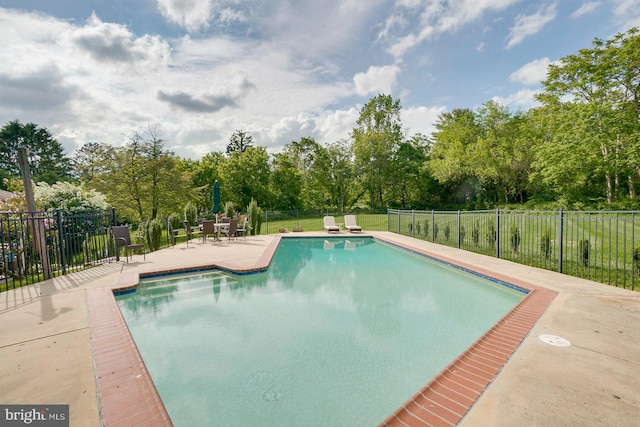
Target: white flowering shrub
[67, 196]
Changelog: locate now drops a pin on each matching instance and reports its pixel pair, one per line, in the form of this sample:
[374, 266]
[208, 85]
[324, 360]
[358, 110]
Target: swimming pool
[336, 332]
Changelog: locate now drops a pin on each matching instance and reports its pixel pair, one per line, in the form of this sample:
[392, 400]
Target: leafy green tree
[590, 104]
[286, 183]
[451, 159]
[141, 179]
[312, 163]
[47, 160]
[376, 140]
[204, 172]
[340, 175]
[245, 175]
[240, 140]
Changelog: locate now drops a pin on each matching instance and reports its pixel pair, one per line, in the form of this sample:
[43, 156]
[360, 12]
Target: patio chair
[232, 229]
[242, 228]
[191, 232]
[350, 223]
[174, 233]
[208, 229]
[330, 224]
[123, 240]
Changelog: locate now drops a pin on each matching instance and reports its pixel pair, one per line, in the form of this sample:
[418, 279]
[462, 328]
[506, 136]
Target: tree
[451, 156]
[141, 179]
[591, 109]
[376, 140]
[47, 160]
[286, 183]
[245, 175]
[239, 141]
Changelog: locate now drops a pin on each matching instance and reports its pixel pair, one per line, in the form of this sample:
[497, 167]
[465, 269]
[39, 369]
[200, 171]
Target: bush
[255, 217]
[190, 213]
[515, 238]
[175, 219]
[491, 236]
[447, 232]
[545, 244]
[475, 234]
[230, 209]
[426, 228]
[435, 231]
[636, 260]
[462, 233]
[583, 252]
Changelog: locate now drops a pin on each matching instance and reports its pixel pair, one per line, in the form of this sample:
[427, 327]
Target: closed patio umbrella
[216, 197]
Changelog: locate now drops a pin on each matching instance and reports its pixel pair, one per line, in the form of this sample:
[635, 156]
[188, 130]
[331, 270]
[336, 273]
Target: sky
[198, 70]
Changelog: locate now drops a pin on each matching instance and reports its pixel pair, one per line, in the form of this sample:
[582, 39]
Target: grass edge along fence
[312, 220]
[601, 246]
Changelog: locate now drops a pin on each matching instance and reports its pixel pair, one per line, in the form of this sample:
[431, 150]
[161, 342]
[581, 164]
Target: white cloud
[527, 25]
[480, 47]
[531, 73]
[585, 8]
[376, 80]
[627, 13]
[420, 119]
[191, 14]
[524, 99]
[439, 17]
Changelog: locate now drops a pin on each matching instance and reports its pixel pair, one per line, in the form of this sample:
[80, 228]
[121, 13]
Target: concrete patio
[47, 357]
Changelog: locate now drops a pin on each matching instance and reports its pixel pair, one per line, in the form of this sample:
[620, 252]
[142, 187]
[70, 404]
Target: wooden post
[36, 222]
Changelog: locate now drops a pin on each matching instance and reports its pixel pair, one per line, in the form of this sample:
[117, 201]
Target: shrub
[175, 219]
[190, 213]
[255, 217]
[426, 227]
[230, 209]
[515, 238]
[636, 260]
[583, 251]
[418, 227]
[475, 234]
[462, 233]
[545, 244]
[491, 236]
[435, 231]
[447, 232]
[154, 234]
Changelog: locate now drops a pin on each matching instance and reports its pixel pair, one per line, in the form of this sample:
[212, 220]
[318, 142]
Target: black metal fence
[595, 245]
[35, 246]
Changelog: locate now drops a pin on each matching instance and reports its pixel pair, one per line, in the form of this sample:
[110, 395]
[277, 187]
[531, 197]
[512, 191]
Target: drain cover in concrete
[555, 340]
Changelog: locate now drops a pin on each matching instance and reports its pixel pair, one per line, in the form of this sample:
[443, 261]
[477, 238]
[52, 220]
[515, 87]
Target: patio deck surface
[49, 335]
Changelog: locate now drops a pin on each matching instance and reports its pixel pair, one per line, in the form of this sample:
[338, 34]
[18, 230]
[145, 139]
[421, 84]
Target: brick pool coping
[127, 394]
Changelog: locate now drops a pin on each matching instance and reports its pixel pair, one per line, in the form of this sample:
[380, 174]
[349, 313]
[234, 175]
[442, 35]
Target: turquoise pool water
[336, 332]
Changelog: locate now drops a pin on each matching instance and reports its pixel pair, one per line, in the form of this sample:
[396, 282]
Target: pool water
[336, 332]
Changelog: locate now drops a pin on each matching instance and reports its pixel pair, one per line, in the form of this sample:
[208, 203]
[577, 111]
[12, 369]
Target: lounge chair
[330, 224]
[350, 223]
[123, 240]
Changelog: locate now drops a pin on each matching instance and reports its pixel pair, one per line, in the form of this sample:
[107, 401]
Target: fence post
[459, 229]
[398, 212]
[560, 238]
[433, 226]
[413, 222]
[498, 233]
[63, 258]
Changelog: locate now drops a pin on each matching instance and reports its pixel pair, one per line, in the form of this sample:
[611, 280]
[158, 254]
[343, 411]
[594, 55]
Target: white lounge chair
[350, 223]
[330, 224]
